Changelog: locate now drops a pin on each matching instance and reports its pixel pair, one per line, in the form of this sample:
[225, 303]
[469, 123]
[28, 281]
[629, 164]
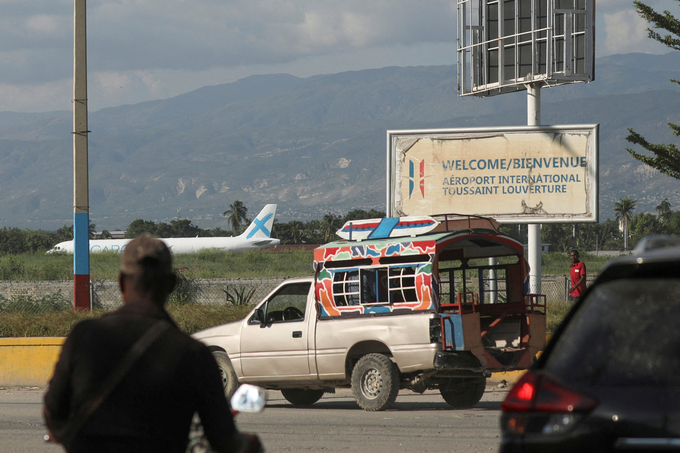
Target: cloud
[148, 49]
[176, 34]
[42, 97]
[626, 32]
[44, 25]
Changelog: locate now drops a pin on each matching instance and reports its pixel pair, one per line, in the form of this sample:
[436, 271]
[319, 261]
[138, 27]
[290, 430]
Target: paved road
[416, 423]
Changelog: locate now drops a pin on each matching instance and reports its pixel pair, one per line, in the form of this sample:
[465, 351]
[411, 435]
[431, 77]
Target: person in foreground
[149, 407]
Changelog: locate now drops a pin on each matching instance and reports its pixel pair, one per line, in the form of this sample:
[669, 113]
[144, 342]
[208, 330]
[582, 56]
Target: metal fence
[556, 287]
[44, 296]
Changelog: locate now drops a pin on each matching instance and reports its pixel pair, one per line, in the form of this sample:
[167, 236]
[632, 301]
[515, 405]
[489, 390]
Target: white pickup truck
[380, 315]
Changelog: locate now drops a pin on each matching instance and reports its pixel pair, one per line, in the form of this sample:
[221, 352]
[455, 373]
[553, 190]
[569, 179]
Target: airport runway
[416, 423]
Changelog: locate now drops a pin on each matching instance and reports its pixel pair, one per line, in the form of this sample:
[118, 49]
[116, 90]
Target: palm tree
[296, 231]
[237, 214]
[624, 212]
[329, 224]
[664, 210]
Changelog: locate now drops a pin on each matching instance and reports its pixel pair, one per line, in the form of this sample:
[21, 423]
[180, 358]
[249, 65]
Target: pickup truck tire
[465, 394]
[375, 382]
[302, 397]
[227, 373]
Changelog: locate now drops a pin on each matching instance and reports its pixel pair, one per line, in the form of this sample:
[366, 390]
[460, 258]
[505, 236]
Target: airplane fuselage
[256, 237]
[177, 245]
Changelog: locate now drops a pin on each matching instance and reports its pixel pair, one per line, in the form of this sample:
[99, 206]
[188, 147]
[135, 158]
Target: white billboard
[530, 174]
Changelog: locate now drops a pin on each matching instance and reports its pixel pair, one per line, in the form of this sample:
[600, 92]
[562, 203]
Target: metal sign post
[81, 204]
[534, 230]
[512, 45]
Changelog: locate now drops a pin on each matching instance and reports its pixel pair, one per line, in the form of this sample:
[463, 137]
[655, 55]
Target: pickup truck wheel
[463, 393]
[302, 397]
[227, 373]
[375, 382]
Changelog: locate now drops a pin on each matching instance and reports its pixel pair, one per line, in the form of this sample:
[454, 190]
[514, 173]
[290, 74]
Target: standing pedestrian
[577, 272]
[131, 381]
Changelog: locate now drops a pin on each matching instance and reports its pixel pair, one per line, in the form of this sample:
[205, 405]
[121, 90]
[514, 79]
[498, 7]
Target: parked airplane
[257, 236]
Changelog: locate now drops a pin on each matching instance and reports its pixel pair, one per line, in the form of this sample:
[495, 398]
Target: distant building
[116, 234]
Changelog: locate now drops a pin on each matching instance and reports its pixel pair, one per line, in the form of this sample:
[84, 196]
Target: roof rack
[457, 222]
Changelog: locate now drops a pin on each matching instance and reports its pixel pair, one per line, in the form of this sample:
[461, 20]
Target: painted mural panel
[374, 288]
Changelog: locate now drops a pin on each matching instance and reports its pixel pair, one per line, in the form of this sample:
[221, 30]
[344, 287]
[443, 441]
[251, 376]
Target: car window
[287, 304]
[626, 332]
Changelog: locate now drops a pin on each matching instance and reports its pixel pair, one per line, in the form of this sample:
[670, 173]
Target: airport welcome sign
[532, 174]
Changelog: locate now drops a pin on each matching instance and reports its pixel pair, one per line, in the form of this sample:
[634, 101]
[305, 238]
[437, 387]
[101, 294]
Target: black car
[609, 380]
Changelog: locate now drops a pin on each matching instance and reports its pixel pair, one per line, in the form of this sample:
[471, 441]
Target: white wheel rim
[371, 383]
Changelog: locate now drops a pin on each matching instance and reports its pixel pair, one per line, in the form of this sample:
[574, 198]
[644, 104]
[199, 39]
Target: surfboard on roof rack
[388, 227]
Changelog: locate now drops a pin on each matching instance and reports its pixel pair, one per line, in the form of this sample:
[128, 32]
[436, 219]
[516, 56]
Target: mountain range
[312, 145]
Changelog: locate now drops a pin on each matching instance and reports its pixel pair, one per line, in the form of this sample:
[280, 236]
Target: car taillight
[538, 403]
[537, 392]
[521, 395]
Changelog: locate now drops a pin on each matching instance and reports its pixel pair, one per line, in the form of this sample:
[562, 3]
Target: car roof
[656, 249]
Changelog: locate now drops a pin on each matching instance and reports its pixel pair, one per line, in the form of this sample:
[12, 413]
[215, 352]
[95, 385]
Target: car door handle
[297, 334]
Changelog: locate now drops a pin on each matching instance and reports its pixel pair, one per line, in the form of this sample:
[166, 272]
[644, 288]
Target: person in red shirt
[577, 272]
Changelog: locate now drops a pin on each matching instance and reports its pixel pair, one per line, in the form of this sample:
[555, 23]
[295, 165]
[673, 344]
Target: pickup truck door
[277, 347]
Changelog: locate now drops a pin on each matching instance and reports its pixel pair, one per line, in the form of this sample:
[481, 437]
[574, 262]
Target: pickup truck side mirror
[259, 316]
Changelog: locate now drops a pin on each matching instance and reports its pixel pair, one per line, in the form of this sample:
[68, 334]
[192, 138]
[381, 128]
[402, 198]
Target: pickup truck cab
[441, 310]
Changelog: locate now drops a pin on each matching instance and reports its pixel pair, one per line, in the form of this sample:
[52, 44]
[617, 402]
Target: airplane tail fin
[261, 227]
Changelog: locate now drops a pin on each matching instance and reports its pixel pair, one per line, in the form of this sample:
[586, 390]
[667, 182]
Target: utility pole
[81, 202]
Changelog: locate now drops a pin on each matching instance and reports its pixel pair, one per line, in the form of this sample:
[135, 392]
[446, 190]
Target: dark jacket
[151, 409]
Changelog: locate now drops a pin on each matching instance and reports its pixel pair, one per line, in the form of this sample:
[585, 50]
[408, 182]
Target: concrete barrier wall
[28, 361]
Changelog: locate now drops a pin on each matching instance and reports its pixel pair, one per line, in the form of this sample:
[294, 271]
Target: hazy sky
[140, 50]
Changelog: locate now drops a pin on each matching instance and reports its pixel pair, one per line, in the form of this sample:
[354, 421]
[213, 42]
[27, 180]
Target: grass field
[296, 263]
[190, 318]
[104, 266]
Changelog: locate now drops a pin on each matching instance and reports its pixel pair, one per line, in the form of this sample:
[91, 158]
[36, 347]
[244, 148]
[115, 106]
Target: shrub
[238, 294]
[28, 304]
[186, 289]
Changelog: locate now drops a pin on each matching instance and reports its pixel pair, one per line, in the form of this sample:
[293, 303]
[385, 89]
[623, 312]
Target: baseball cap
[146, 253]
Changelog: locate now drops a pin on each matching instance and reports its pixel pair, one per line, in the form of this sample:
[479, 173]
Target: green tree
[624, 212]
[139, 227]
[12, 241]
[296, 229]
[664, 210]
[38, 241]
[360, 214]
[606, 235]
[183, 228]
[312, 232]
[558, 235]
[237, 215]
[643, 224]
[64, 233]
[666, 157]
[329, 225]
[673, 224]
